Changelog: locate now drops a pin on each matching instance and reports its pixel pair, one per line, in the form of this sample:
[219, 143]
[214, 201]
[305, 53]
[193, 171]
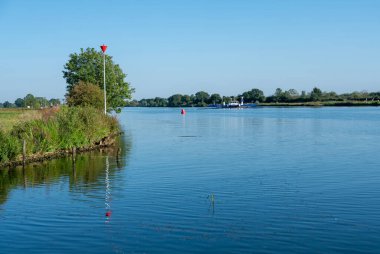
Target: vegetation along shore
[34, 128]
[290, 97]
[54, 132]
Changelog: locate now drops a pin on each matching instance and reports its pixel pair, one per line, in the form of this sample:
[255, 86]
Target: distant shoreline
[291, 104]
[323, 104]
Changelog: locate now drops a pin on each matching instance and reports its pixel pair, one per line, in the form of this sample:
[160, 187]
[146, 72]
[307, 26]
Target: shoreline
[39, 158]
[292, 104]
[321, 104]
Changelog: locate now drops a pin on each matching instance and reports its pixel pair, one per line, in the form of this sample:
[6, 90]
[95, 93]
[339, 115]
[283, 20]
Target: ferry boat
[233, 104]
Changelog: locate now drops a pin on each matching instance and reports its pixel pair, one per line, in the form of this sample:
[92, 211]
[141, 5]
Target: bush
[86, 95]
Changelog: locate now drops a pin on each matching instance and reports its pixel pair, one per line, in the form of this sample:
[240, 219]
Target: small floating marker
[108, 214]
[183, 112]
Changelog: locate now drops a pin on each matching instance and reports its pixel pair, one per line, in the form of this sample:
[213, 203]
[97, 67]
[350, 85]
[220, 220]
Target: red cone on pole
[104, 48]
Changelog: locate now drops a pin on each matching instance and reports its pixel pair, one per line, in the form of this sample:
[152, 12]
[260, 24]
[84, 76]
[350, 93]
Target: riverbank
[57, 133]
[292, 104]
[323, 104]
[35, 158]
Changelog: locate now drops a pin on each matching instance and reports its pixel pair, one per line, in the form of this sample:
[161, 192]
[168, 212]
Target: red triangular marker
[104, 48]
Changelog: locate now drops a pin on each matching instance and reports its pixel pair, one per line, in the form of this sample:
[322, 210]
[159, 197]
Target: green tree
[215, 98]
[54, 102]
[85, 95]
[201, 98]
[316, 94]
[254, 95]
[175, 100]
[293, 93]
[41, 102]
[278, 94]
[87, 66]
[7, 104]
[20, 103]
[226, 99]
[29, 100]
[186, 100]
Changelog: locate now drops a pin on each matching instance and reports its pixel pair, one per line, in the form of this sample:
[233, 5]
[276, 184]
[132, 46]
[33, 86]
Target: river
[265, 180]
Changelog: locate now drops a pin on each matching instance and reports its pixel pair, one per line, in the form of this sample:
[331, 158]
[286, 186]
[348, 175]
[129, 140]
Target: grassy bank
[322, 103]
[11, 117]
[54, 131]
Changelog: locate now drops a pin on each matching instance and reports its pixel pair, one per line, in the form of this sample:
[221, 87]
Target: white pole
[104, 78]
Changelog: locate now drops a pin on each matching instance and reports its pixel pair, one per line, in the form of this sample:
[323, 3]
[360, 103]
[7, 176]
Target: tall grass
[57, 130]
[12, 116]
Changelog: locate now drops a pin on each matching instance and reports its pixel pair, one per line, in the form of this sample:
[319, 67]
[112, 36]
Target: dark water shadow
[85, 172]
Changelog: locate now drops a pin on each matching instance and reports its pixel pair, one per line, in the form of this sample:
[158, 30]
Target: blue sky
[184, 46]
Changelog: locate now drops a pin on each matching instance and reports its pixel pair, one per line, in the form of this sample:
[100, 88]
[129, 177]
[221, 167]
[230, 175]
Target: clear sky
[183, 46]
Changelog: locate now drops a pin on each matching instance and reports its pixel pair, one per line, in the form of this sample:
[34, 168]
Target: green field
[11, 117]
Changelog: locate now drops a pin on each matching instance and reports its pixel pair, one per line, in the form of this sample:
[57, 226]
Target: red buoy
[183, 112]
[108, 214]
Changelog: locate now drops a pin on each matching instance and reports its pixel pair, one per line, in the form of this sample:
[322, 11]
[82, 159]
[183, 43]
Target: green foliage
[67, 128]
[7, 104]
[54, 102]
[85, 95]
[202, 99]
[9, 147]
[29, 100]
[19, 103]
[87, 66]
[175, 100]
[32, 102]
[215, 98]
[254, 95]
[316, 94]
[156, 102]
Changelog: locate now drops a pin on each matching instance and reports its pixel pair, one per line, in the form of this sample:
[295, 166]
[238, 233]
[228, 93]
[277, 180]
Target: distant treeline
[29, 101]
[203, 99]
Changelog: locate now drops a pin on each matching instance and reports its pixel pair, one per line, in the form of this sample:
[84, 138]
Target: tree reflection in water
[91, 171]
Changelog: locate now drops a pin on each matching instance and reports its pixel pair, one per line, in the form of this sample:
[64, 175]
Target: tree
[215, 98]
[7, 104]
[87, 66]
[293, 93]
[316, 94]
[54, 102]
[186, 100]
[85, 95]
[278, 94]
[41, 102]
[254, 95]
[29, 100]
[201, 98]
[175, 100]
[160, 102]
[226, 99]
[19, 103]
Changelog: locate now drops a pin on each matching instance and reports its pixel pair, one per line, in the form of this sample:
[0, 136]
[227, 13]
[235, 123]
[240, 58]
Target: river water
[263, 180]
